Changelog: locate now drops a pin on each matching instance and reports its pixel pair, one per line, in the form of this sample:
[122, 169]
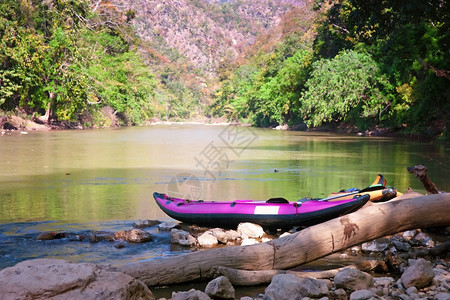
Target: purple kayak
[273, 213]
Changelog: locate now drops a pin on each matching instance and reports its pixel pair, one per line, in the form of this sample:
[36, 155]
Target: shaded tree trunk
[366, 224]
[246, 278]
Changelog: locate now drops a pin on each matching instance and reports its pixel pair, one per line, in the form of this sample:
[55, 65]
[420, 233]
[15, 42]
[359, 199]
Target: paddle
[367, 189]
[378, 184]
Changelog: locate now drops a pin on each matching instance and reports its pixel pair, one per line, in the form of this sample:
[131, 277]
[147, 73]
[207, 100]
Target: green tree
[56, 56]
[410, 42]
[347, 88]
[277, 98]
[118, 78]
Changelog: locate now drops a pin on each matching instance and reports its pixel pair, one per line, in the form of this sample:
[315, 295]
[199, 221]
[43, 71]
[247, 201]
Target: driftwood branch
[420, 171]
[366, 224]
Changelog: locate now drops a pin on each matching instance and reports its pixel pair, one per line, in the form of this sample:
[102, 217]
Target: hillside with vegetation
[267, 63]
[354, 62]
[59, 61]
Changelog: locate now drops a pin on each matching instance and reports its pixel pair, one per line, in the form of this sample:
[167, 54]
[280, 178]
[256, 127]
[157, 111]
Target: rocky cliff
[203, 35]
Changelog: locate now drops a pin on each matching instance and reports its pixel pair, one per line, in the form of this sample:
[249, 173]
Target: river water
[84, 180]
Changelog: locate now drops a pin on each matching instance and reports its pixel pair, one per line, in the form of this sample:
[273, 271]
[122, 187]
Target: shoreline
[24, 126]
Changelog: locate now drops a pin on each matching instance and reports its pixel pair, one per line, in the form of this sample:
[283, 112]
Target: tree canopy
[59, 56]
[347, 87]
[370, 64]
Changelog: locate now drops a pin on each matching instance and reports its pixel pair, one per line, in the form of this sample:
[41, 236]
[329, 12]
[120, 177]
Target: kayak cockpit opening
[277, 200]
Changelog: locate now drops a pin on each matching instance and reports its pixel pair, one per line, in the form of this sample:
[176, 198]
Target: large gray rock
[220, 288]
[353, 279]
[289, 286]
[59, 279]
[419, 274]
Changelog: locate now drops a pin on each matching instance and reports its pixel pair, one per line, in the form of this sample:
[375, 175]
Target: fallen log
[317, 241]
[246, 278]
[436, 250]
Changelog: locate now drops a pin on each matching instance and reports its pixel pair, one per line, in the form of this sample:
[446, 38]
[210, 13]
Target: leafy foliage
[58, 57]
[346, 87]
[409, 42]
[266, 90]
[380, 63]
[265, 96]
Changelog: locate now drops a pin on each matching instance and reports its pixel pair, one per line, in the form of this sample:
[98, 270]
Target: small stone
[289, 286]
[442, 296]
[383, 281]
[167, 226]
[220, 235]
[98, 236]
[232, 236]
[401, 246]
[362, 295]
[250, 230]
[220, 288]
[145, 223]
[411, 290]
[248, 242]
[407, 235]
[378, 245]
[45, 236]
[182, 237]
[191, 294]
[119, 246]
[340, 294]
[353, 279]
[207, 240]
[134, 236]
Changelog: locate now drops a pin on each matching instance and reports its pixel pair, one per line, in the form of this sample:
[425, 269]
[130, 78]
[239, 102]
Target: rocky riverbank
[410, 265]
[16, 123]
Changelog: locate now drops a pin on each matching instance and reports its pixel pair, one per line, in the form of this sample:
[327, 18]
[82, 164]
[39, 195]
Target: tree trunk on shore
[247, 278]
[366, 224]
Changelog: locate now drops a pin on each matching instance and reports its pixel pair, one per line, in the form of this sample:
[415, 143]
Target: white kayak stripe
[266, 210]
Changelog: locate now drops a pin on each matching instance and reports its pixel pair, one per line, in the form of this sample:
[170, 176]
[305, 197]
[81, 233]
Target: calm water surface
[79, 181]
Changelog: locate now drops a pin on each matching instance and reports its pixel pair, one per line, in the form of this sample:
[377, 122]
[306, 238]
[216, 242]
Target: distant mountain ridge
[204, 34]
